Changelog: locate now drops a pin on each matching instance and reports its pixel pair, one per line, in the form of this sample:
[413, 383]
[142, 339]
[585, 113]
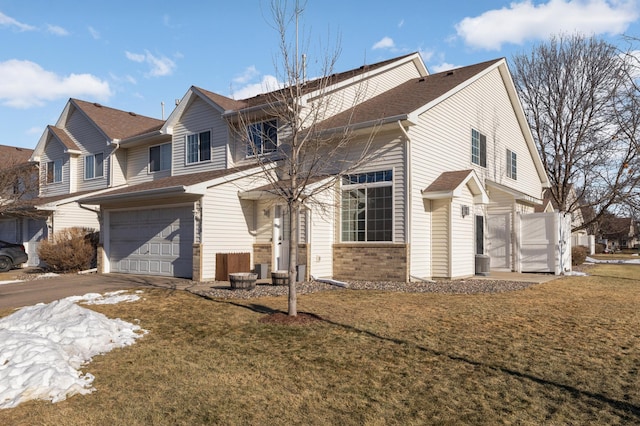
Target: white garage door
[154, 242]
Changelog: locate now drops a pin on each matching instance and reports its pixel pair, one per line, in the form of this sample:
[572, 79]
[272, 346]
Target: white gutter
[111, 156]
[409, 189]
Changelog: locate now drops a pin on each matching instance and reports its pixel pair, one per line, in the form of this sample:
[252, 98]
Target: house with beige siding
[77, 157]
[451, 168]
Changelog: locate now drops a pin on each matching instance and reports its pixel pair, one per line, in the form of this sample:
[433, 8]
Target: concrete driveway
[45, 290]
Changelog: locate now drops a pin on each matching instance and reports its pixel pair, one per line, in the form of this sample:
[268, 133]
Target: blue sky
[135, 54]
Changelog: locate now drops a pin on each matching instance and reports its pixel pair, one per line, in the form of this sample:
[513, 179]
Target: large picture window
[478, 148]
[93, 166]
[263, 138]
[54, 171]
[160, 157]
[199, 147]
[367, 207]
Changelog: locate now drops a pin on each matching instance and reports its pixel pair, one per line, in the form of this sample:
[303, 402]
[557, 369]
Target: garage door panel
[154, 241]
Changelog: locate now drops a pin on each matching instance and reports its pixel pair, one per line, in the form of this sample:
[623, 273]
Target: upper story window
[199, 147]
[54, 171]
[478, 148]
[94, 166]
[512, 165]
[367, 206]
[160, 157]
[263, 138]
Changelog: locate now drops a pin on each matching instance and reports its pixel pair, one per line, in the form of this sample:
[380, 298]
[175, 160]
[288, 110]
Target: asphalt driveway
[45, 290]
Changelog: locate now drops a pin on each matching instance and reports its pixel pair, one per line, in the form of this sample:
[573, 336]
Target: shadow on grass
[629, 411]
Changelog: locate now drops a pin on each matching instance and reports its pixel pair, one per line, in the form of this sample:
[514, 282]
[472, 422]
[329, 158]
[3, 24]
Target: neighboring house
[619, 233]
[79, 156]
[453, 167]
[580, 237]
[17, 186]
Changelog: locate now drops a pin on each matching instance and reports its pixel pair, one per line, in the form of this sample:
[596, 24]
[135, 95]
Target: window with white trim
[367, 206]
[512, 165]
[478, 148]
[94, 166]
[54, 171]
[262, 138]
[160, 157]
[199, 147]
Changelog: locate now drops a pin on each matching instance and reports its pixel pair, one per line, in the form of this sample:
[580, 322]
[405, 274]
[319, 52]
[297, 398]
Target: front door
[281, 238]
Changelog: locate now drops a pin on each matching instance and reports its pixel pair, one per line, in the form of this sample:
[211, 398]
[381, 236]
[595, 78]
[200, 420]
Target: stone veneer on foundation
[262, 254]
[370, 262]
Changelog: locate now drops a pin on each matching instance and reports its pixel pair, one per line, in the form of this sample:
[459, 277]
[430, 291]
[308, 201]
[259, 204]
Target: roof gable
[451, 184]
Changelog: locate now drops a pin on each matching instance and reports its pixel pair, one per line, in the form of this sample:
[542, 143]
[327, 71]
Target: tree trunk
[293, 257]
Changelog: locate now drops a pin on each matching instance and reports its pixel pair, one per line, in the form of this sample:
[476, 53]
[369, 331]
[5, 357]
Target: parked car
[11, 255]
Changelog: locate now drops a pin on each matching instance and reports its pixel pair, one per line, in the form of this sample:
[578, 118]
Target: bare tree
[582, 105]
[309, 157]
[18, 182]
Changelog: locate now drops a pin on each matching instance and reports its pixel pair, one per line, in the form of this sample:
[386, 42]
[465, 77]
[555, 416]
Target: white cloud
[94, 33]
[56, 30]
[524, 20]
[34, 130]
[267, 84]
[443, 66]
[25, 84]
[384, 43]
[160, 66]
[247, 75]
[7, 21]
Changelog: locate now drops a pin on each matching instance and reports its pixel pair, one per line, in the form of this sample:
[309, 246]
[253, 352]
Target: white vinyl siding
[321, 234]
[228, 224]
[199, 117]
[90, 141]
[138, 165]
[71, 214]
[462, 237]
[54, 151]
[440, 236]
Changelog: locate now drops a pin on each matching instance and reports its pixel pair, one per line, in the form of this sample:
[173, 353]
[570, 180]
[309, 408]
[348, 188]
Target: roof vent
[133, 114]
[95, 104]
[421, 80]
[450, 73]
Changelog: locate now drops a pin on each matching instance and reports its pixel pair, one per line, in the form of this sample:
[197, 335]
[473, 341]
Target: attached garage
[9, 230]
[155, 241]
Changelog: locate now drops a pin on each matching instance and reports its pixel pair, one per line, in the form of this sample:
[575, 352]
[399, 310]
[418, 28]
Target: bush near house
[578, 255]
[68, 250]
[600, 248]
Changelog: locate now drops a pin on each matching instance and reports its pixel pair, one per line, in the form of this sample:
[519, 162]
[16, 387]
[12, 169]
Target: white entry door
[281, 238]
[499, 240]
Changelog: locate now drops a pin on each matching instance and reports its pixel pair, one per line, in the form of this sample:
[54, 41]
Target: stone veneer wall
[197, 263]
[100, 259]
[371, 262]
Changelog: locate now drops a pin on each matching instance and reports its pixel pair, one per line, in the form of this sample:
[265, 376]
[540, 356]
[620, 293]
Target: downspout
[111, 156]
[409, 199]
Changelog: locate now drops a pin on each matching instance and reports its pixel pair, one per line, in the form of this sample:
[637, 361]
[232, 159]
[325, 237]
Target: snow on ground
[42, 347]
[630, 261]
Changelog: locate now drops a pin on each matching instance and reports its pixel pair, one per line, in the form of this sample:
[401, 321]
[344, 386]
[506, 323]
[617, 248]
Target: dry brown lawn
[564, 352]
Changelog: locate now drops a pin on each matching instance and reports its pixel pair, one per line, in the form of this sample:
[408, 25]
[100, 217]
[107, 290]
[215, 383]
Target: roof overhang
[472, 181]
[517, 195]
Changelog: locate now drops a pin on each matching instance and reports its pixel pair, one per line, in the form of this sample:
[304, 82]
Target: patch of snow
[626, 261]
[42, 348]
[575, 274]
[47, 275]
[109, 298]
[11, 281]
